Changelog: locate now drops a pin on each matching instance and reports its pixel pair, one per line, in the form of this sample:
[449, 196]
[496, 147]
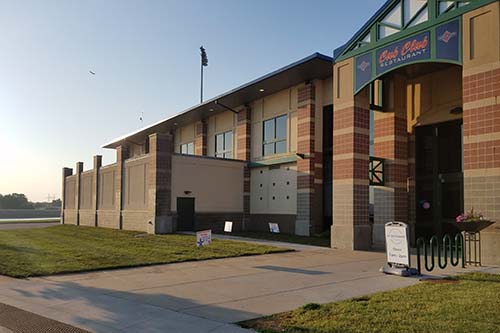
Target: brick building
[405, 118]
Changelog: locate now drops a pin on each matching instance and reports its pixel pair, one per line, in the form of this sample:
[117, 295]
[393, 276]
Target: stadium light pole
[204, 63]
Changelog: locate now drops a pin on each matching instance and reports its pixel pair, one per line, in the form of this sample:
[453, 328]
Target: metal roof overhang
[316, 66]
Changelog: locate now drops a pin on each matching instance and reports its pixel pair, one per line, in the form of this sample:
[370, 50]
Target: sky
[145, 54]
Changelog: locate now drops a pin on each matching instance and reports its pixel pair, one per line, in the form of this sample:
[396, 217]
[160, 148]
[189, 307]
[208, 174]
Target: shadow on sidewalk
[106, 310]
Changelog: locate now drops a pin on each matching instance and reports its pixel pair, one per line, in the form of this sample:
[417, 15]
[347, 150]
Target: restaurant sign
[406, 51]
[445, 46]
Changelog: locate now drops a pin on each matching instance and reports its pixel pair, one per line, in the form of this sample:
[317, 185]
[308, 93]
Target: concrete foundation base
[490, 246]
[302, 227]
[378, 237]
[349, 237]
[161, 225]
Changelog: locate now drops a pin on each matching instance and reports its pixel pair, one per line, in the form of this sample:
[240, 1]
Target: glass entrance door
[439, 177]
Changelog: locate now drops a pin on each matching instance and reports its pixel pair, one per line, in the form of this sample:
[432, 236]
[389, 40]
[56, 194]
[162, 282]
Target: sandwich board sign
[228, 226]
[203, 238]
[397, 246]
[397, 243]
[274, 228]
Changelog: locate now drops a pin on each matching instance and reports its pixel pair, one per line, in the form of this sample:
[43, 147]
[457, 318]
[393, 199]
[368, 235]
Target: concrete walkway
[201, 296]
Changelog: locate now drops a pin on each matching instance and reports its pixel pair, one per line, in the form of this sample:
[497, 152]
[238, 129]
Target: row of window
[409, 13]
[274, 140]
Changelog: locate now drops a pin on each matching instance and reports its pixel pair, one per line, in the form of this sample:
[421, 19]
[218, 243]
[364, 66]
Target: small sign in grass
[64, 248]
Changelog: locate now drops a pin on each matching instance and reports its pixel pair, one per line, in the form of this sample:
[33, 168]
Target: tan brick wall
[390, 138]
[351, 121]
[481, 121]
[309, 169]
[87, 217]
[136, 220]
[108, 219]
[200, 140]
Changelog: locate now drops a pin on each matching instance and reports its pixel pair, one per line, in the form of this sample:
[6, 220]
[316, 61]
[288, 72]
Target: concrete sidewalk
[204, 296]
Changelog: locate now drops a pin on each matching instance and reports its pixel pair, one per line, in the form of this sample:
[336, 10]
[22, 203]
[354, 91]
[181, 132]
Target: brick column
[200, 141]
[351, 136]
[306, 222]
[121, 156]
[95, 186]
[481, 121]
[412, 188]
[243, 153]
[65, 173]
[160, 183]
[391, 143]
[79, 170]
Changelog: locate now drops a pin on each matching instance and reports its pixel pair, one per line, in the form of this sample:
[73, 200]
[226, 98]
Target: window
[377, 93]
[407, 13]
[447, 6]
[224, 145]
[274, 136]
[187, 148]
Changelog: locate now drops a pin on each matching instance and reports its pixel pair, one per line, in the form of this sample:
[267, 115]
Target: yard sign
[228, 227]
[203, 238]
[274, 228]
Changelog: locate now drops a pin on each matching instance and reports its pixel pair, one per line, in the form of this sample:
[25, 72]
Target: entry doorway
[439, 178]
[185, 214]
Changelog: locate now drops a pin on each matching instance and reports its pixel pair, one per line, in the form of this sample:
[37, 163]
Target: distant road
[28, 213]
[20, 225]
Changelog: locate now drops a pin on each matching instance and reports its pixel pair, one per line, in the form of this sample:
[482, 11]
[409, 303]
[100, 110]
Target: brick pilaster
[481, 122]
[65, 173]
[95, 185]
[79, 170]
[121, 156]
[200, 141]
[391, 143]
[306, 222]
[481, 126]
[243, 153]
[351, 135]
[160, 183]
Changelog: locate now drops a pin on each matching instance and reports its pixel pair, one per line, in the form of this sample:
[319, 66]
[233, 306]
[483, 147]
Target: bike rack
[454, 249]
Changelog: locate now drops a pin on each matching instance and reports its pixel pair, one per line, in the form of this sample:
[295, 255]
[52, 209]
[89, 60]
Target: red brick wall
[243, 153]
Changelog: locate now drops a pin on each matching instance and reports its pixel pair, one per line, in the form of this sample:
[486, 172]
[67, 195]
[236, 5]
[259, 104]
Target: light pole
[204, 63]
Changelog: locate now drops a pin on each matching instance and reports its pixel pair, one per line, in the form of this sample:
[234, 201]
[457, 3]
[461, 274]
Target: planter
[473, 226]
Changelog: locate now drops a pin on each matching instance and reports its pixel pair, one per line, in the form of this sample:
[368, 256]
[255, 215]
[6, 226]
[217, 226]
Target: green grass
[323, 241]
[64, 248]
[467, 303]
[41, 220]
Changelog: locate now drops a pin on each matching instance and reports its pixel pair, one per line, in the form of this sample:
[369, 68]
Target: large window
[407, 13]
[274, 136]
[224, 145]
[187, 148]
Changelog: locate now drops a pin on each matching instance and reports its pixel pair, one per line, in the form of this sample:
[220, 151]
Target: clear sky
[145, 54]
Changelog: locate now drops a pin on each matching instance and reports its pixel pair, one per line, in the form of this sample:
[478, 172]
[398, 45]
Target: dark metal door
[439, 177]
[185, 214]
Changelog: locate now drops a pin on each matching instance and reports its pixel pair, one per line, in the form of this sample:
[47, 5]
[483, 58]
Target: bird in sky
[91, 72]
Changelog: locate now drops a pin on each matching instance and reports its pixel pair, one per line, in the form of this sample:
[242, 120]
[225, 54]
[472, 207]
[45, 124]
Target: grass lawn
[467, 303]
[313, 240]
[64, 248]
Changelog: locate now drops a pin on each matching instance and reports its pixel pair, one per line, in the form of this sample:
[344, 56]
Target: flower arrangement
[470, 216]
